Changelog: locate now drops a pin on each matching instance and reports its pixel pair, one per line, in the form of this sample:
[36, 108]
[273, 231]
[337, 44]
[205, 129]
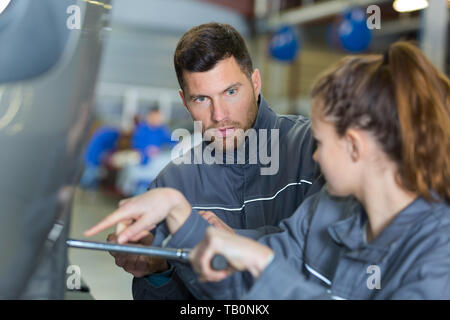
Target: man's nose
[219, 111]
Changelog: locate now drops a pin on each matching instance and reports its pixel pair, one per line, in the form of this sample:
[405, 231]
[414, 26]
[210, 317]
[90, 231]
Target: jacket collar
[266, 118]
[350, 231]
[347, 232]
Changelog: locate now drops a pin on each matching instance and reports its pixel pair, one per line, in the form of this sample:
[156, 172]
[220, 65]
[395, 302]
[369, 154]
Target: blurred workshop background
[136, 104]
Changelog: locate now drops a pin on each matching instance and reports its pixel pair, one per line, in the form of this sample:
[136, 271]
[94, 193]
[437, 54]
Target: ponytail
[422, 96]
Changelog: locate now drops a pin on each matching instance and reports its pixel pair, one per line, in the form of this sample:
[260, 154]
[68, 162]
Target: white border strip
[253, 200]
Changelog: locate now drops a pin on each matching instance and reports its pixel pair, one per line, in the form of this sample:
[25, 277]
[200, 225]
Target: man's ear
[180, 92]
[256, 80]
[354, 144]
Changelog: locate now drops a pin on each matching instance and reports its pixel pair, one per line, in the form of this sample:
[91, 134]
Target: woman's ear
[354, 142]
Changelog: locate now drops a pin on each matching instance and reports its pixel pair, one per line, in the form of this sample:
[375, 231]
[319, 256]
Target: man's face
[223, 98]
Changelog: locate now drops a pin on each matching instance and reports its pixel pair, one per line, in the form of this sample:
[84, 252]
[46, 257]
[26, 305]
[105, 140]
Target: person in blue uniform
[151, 135]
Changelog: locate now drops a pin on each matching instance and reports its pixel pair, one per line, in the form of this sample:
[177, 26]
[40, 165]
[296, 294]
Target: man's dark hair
[203, 46]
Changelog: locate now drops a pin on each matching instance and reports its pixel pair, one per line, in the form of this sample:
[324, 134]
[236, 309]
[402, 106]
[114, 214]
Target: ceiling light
[409, 5]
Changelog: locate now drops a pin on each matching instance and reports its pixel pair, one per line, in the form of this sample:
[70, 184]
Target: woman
[385, 121]
[381, 227]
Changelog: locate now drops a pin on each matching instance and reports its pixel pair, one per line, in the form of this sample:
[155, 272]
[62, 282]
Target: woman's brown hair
[403, 100]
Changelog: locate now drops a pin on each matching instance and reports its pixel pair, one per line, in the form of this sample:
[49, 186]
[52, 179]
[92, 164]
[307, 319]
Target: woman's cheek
[324, 165]
[320, 158]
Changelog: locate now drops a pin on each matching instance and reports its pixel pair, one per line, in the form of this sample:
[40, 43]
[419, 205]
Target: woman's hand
[241, 253]
[146, 211]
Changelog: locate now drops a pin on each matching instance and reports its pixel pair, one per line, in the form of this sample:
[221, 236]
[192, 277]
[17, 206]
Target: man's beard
[235, 140]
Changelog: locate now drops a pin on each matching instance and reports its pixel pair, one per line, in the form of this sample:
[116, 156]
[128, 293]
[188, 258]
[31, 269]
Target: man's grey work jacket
[239, 194]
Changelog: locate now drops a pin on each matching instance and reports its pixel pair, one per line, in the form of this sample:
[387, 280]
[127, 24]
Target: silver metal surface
[43, 126]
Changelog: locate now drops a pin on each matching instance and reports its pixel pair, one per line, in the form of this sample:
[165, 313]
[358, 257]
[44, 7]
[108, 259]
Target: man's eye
[200, 99]
[230, 92]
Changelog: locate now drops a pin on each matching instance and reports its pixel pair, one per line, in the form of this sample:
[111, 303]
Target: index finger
[122, 213]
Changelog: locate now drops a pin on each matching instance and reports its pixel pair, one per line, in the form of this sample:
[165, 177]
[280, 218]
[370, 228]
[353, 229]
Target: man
[220, 88]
